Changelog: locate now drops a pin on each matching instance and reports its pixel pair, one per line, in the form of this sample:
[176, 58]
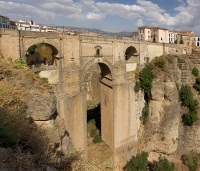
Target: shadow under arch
[105, 66]
[35, 55]
[130, 51]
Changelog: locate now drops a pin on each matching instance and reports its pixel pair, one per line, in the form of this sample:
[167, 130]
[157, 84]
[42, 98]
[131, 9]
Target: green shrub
[92, 121]
[137, 86]
[191, 162]
[189, 118]
[145, 78]
[193, 105]
[31, 49]
[157, 65]
[8, 137]
[197, 85]
[186, 95]
[93, 132]
[145, 113]
[44, 79]
[195, 72]
[20, 64]
[163, 165]
[137, 163]
[188, 101]
[97, 139]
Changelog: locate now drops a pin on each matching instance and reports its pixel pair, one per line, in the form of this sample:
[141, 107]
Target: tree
[145, 78]
[195, 72]
[137, 163]
[164, 165]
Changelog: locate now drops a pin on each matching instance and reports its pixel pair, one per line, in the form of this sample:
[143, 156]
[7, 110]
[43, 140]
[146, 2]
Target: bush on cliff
[186, 97]
[195, 72]
[137, 86]
[191, 161]
[145, 113]
[146, 78]
[163, 164]
[157, 65]
[138, 162]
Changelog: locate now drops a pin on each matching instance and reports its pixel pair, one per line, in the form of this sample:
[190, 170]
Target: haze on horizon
[109, 15]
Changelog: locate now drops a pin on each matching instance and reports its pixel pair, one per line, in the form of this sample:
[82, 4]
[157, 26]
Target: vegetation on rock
[137, 86]
[138, 162]
[191, 161]
[195, 72]
[186, 97]
[163, 164]
[157, 65]
[145, 113]
[145, 78]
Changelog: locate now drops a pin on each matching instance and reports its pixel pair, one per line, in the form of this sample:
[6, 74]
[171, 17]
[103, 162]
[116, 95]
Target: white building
[22, 25]
[173, 36]
[196, 40]
[153, 34]
[4, 22]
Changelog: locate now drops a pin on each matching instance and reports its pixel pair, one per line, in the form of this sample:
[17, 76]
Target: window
[197, 43]
[161, 38]
[98, 52]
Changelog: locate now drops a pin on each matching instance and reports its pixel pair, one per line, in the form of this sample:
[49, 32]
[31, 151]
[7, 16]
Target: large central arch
[106, 101]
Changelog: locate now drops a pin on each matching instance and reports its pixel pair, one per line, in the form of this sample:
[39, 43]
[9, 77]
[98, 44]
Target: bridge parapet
[39, 34]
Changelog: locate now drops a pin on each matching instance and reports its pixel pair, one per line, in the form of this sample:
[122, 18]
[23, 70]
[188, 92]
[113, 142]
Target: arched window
[98, 52]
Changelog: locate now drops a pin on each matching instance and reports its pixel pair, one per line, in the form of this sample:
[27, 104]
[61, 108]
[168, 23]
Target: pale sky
[108, 15]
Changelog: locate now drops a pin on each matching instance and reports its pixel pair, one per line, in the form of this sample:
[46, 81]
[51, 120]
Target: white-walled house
[22, 25]
[173, 36]
[4, 22]
[153, 34]
[196, 40]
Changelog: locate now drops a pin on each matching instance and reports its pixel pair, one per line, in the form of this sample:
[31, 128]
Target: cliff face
[164, 131]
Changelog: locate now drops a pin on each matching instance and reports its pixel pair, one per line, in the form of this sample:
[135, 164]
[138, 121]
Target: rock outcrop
[164, 132]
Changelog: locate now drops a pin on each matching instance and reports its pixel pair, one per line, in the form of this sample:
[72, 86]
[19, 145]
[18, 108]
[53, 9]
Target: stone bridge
[117, 58]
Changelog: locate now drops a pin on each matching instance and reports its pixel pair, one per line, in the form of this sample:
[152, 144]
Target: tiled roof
[150, 27]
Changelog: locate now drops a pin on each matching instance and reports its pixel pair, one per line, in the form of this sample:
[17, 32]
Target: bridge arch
[27, 42]
[106, 67]
[131, 54]
[105, 99]
[41, 53]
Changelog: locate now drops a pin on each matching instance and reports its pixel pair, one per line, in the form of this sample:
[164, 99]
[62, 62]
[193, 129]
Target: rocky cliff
[164, 132]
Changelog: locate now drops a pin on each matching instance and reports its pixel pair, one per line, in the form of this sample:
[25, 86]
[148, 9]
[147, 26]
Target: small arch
[130, 51]
[98, 50]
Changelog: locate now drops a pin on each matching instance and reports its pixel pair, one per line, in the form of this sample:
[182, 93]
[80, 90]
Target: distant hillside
[92, 31]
